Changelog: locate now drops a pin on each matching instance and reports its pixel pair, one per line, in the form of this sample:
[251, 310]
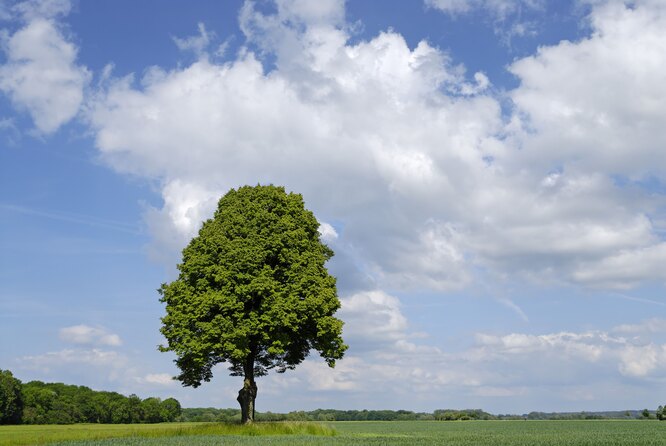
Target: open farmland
[477, 433]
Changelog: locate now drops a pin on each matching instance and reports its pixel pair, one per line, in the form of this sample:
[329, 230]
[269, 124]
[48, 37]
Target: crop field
[462, 433]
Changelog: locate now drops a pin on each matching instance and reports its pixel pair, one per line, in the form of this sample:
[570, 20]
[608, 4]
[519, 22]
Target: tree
[645, 414]
[135, 409]
[253, 291]
[170, 409]
[11, 398]
[151, 408]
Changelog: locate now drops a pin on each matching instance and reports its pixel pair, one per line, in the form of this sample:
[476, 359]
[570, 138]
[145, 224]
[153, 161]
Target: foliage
[253, 291]
[574, 415]
[229, 415]
[11, 398]
[57, 403]
[462, 415]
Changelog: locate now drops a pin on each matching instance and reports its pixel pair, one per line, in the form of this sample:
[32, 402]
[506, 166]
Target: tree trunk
[248, 394]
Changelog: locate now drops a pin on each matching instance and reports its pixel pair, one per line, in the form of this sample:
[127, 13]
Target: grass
[419, 433]
[508, 433]
[92, 433]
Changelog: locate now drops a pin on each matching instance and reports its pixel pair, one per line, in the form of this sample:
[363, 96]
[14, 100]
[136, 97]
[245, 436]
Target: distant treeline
[36, 402]
[609, 415]
[211, 414]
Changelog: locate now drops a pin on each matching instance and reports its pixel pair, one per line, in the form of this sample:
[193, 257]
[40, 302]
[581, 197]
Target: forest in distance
[36, 402]
[211, 414]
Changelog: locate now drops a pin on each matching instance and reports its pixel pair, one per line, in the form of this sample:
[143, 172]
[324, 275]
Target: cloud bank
[432, 182]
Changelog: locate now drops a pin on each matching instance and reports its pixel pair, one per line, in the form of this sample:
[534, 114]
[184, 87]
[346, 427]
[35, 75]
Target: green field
[461, 433]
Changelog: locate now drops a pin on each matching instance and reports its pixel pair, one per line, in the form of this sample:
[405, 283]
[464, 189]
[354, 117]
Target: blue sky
[490, 173]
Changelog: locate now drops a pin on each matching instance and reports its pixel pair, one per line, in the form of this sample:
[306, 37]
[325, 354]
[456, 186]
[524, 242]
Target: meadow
[417, 433]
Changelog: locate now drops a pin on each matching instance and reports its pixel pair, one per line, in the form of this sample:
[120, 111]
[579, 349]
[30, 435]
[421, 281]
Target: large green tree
[11, 398]
[253, 291]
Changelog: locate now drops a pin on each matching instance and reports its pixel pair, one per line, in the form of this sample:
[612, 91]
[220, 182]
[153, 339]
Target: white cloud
[99, 368]
[507, 17]
[344, 377]
[501, 8]
[584, 346]
[519, 365]
[634, 357]
[87, 335]
[650, 326]
[553, 367]
[198, 43]
[160, 379]
[373, 316]
[639, 361]
[451, 6]
[626, 268]
[327, 232]
[598, 103]
[431, 182]
[41, 61]
[96, 358]
[435, 262]
[186, 206]
[34, 9]
[231, 119]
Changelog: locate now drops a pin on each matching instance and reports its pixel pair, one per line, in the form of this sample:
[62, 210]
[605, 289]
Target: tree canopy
[36, 402]
[11, 398]
[253, 292]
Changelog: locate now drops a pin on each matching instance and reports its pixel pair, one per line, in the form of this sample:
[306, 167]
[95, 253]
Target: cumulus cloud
[186, 206]
[41, 61]
[160, 379]
[626, 268]
[636, 357]
[48, 9]
[98, 368]
[507, 16]
[87, 335]
[373, 315]
[650, 326]
[327, 232]
[231, 119]
[499, 7]
[96, 358]
[197, 43]
[619, 132]
[569, 368]
[414, 157]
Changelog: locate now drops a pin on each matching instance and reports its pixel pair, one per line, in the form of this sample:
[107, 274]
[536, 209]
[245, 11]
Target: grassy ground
[462, 433]
[84, 434]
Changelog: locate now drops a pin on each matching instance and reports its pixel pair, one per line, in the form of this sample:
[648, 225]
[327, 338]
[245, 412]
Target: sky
[491, 175]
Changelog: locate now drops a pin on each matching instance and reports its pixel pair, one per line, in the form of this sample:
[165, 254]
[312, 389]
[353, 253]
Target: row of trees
[234, 415]
[231, 415]
[56, 403]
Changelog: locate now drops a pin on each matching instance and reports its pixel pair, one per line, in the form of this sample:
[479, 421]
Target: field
[465, 433]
